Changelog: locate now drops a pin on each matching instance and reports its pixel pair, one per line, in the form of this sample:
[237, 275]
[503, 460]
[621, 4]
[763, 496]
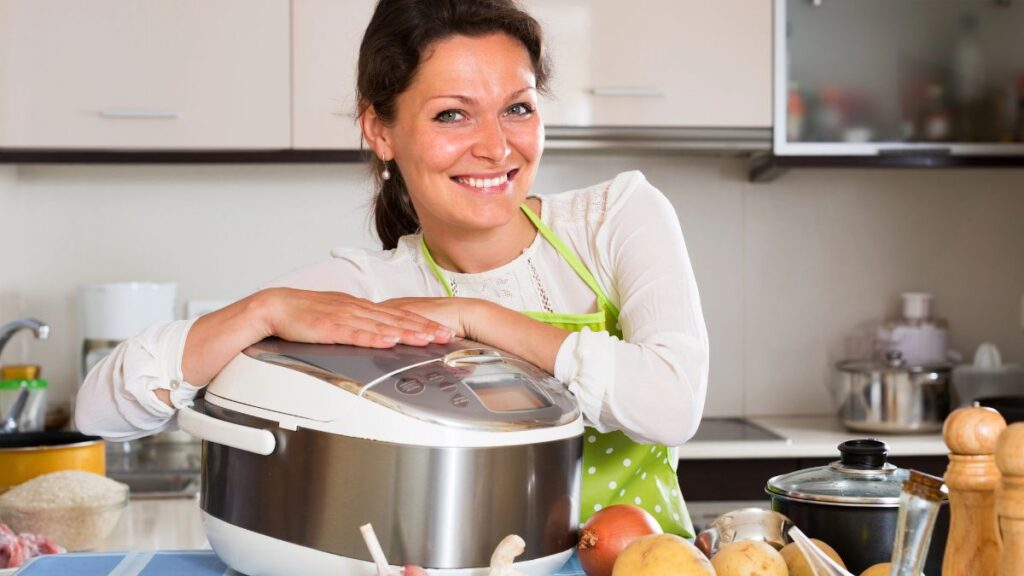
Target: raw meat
[15, 550]
[39, 545]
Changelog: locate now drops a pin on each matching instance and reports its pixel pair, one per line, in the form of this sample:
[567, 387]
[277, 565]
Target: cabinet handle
[628, 92]
[138, 114]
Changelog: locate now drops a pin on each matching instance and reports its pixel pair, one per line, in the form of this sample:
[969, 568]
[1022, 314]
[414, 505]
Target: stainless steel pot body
[434, 507]
[891, 397]
[861, 535]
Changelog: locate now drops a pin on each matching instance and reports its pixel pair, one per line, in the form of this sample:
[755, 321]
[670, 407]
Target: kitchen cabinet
[325, 38]
[862, 77]
[658, 63]
[154, 75]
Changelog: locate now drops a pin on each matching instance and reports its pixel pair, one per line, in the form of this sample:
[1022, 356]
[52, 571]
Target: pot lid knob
[894, 358]
[863, 454]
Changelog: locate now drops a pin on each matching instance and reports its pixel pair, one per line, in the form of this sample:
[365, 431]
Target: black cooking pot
[852, 505]
[1010, 407]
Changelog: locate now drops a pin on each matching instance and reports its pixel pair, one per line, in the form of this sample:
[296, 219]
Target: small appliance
[112, 313]
[444, 449]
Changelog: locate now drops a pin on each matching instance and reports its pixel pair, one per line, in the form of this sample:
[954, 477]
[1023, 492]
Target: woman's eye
[449, 116]
[520, 109]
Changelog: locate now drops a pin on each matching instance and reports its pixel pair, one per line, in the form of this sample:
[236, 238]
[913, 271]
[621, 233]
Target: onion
[608, 532]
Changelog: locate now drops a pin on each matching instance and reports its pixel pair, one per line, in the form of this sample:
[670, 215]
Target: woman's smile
[492, 183]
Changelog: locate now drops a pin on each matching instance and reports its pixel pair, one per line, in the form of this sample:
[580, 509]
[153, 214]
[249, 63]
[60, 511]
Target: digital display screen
[507, 395]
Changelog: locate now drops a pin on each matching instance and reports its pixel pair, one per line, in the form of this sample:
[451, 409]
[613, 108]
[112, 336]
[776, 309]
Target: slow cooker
[444, 449]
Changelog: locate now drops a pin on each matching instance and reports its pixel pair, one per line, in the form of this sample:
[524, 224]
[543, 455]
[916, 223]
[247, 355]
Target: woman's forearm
[514, 332]
[219, 336]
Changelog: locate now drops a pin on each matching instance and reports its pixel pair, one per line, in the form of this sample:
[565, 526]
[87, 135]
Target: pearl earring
[385, 174]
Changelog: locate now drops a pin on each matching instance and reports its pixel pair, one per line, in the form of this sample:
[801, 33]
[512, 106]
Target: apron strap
[560, 247]
[435, 268]
[574, 261]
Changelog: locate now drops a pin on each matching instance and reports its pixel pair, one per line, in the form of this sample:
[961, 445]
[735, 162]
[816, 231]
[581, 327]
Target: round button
[460, 401]
[409, 386]
[435, 377]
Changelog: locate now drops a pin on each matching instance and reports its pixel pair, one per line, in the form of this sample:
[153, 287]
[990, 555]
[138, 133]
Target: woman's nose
[491, 142]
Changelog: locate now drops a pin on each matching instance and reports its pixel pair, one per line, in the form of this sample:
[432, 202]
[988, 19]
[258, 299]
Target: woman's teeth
[484, 182]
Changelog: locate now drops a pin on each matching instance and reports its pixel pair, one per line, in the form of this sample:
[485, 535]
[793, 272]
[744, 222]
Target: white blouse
[652, 385]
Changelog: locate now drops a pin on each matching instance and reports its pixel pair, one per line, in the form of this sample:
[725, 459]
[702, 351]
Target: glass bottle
[920, 501]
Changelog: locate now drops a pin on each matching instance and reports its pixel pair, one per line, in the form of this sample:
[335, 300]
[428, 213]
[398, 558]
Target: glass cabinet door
[864, 77]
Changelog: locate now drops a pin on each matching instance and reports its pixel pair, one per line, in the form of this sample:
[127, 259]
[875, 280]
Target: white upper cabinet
[144, 74]
[326, 35]
[658, 63]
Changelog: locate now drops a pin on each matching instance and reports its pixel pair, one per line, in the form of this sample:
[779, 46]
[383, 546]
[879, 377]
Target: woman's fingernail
[391, 338]
[425, 336]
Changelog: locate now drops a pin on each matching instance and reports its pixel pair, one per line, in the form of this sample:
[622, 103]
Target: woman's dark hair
[392, 49]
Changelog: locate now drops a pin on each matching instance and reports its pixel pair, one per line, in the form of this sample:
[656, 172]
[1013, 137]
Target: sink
[730, 429]
[156, 469]
[145, 485]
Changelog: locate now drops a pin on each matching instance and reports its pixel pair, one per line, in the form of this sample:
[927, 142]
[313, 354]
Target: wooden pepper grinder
[1010, 500]
[973, 547]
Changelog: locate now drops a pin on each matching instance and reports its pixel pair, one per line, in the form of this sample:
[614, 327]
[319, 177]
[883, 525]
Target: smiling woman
[466, 140]
[593, 285]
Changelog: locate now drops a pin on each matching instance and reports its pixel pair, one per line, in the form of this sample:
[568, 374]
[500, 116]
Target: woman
[593, 285]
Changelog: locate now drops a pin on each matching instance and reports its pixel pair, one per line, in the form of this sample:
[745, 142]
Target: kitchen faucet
[9, 421]
[41, 330]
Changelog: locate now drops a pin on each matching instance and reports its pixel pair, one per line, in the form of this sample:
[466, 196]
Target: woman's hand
[491, 324]
[338, 318]
[461, 315]
[299, 316]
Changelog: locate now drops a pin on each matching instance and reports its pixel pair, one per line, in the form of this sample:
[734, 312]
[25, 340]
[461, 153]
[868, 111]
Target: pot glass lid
[861, 477]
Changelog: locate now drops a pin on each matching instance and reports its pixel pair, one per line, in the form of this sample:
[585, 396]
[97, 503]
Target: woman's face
[467, 136]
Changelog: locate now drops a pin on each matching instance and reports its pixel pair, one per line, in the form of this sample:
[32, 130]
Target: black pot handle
[866, 454]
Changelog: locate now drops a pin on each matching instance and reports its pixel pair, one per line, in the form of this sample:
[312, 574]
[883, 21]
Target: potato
[797, 563]
[662, 555]
[749, 558]
[879, 570]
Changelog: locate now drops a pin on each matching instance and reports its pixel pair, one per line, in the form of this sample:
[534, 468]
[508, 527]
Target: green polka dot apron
[616, 470]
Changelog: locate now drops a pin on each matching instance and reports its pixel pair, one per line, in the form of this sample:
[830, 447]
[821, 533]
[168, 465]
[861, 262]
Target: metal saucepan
[852, 505]
[744, 524]
[892, 396]
[25, 455]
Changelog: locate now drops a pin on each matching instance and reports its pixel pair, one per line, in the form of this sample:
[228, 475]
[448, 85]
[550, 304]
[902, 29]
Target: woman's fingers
[408, 326]
[335, 317]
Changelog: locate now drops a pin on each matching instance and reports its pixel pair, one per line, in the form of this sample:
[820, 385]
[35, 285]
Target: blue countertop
[177, 563]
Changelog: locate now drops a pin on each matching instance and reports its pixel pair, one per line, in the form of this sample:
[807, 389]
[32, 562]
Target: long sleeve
[118, 400]
[652, 385]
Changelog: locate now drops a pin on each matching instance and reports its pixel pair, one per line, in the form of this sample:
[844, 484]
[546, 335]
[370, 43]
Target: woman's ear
[376, 134]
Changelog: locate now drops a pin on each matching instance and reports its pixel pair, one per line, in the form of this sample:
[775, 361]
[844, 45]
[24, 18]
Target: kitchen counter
[807, 437]
[158, 524]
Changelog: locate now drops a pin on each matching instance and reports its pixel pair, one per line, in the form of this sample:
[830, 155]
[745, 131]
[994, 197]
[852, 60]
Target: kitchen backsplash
[788, 271]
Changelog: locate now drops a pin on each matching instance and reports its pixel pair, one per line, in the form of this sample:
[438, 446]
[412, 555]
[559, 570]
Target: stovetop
[731, 429]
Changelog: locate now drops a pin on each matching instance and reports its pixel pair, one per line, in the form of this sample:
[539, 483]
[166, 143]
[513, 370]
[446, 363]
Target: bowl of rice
[77, 510]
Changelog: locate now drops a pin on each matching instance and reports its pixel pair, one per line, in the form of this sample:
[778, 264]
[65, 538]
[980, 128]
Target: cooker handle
[255, 440]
